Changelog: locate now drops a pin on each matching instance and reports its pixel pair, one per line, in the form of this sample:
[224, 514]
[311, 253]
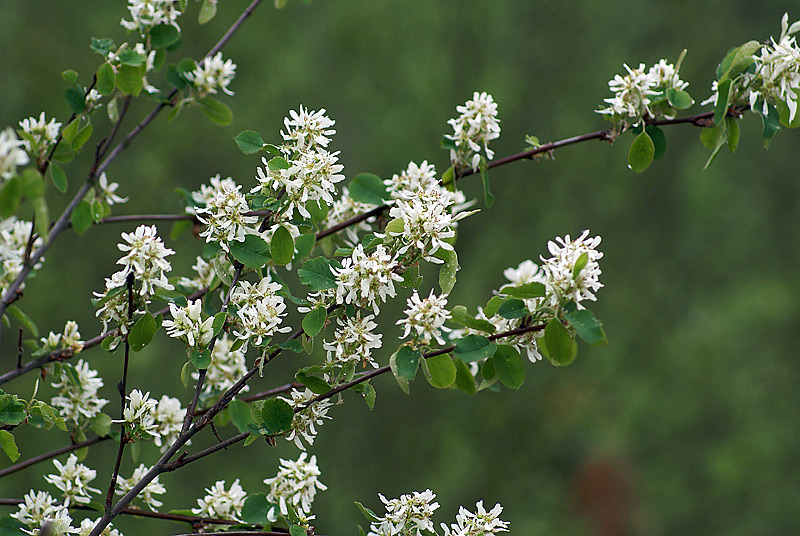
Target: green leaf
[460, 316]
[10, 197]
[11, 527]
[277, 163]
[186, 374]
[292, 345]
[129, 79]
[142, 332]
[297, 530]
[679, 99]
[314, 321]
[316, 384]
[772, 124]
[219, 322]
[200, 358]
[32, 183]
[218, 112]
[24, 319]
[737, 60]
[525, 291]
[249, 142]
[509, 367]
[253, 252]
[100, 424]
[367, 188]
[164, 35]
[207, 11]
[82, 137]
[12, 410]
[488, 197]
[366, 512]
[81, 218]
[316, 274]
[448, 270]
[69, 131]
[42, 224]
[240, 415]
[105, 79]
[70, 76]
[474, 347]
[9, 446]
[641, 153]
[304, 244]
[112, 110]
[282, 246]
[255, 509]
[369, 395]
[59, 178]
[441, 370]
[465, 381]
[723, 100]
[76, 99]
[277, 415]
[513, 308]
[580, 264]
[179, 227]
[405, 362]
[733, 133]
[558, 343]
[659, 140]
[587, 326]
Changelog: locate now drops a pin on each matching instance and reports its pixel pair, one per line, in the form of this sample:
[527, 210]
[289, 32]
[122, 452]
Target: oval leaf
[314, 321]
[474, 347]
[142, 332]
[587, 326]
[218, 112]
[441, 371]
[253, 252]
[59, 178]
[249, 142]
[105, 79]
[316, 274]
[282, 246]
[406, 362]
[367, 188]
[277, 415]
[641, 153]
[509, 367]
[559, 343]
[513, 308]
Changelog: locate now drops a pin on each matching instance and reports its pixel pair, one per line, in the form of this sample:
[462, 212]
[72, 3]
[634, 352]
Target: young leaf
[524, 291]
[59, 178]
[178, 228]
[105, 79]
[256, 509]
[219, 322]
[509, 367]
[277, 415]
[215, 110]
[771, 123]
[142, 332]
[580, 264]
[316, 274]
[405, 362]
[558, 343]
[249, 142]
[460, 316]
[474, 347]
[641, 153]
[164, 35]
[733, 133]
[441, 371]
[465, 381]
[24, 319]
[207, 11]
[129, 79]
[10, 196]
[314, 321]
[679, 99]
[282, 246]
[447, 273]
[253, 252]
[9, 445]
[587, 326]
[82, 137]
[76, 99]
[366, 512]
[316, 384]
[513, 308]
[367, 188]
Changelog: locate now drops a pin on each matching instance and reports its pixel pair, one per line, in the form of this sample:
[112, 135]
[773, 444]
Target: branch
[52, 454]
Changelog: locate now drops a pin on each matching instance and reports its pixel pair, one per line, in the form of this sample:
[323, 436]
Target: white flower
[14, 235]
[631, 94]
[145, 14]
[224, 216]
[411, 180]
[168, 416]
[138, 415]
[207, 192]
[149, 64]
[473, 130]
[187, 322]
[106, 191]
[260, 310]
[39, 508]
[409, 515]
[145, 256]
[481, 523]
[353, 341]
[366, 280]
[88, 524]
[295, 485]
[205, 275]
[526, 272]
[78, 401]
[345, 208]
[664, 76]
[11, 154]
[307, 129]
[221, 503]
[73, 481]
[425, 318]
[226, 368]
[305, 421]
[146, 495]
[212, 74]
[42, 131]
[563, 284]
[69, 340]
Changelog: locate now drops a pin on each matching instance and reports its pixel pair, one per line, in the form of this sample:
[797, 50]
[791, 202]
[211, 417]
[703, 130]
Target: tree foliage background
[684, 424]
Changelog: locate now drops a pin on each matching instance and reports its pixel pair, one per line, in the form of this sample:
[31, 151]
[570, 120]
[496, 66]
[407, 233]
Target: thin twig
[52, 454]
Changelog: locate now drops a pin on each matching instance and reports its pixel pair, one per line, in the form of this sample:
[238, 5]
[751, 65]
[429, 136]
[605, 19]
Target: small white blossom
[260, 311]
[106, 191]
[224, 216]
[12, 154]
[632, 94]
[42, 131]
[138, 414]
[425, 318]
[353, 341]
[409, 515]
[412, 179]
[69, 340]
[78, 401]
[295, 485]
[145, 257]
[481, 523]
[40, 509]
[168, 416]
[88, 524]
[473, 130]
[207, 192]
[73, 481]
[212, 74]
[226, 368]
[345, 208]
[124, 485]
[205, 275]
[14, 235]
[221, 503]
[305, 422]
[366, 280]
[187, 322]
[307, 129]
[145, 14]
[563, 285]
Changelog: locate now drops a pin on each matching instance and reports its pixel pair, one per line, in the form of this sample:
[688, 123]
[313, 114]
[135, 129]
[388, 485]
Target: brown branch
[52, 454]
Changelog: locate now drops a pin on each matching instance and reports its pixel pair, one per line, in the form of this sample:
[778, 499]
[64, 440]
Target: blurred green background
[686, 423]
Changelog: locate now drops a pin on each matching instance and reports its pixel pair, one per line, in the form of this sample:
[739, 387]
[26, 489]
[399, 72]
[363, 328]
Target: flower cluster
[345, 208]
[39, 509]
[353, 341]
[12, 154]
[146, 14]
[305, 421]
[409, 515]
[573, 271]
[41, 134]
[425, 318]
[87, 525]
[473, 130]
[221, 503]
[226, 368]
[225, 215]
[307, 129]
[207, 192]
[68, 341]
[295, 485]
[124, 485]
[366, 280]
[73, 481]
[14, 236]
[205, 275]
[637, 91]
[138, 414]
[168, 416]
[77, 393]
[259, 311]
[187, 323]
[481, 523]
[211, 75]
